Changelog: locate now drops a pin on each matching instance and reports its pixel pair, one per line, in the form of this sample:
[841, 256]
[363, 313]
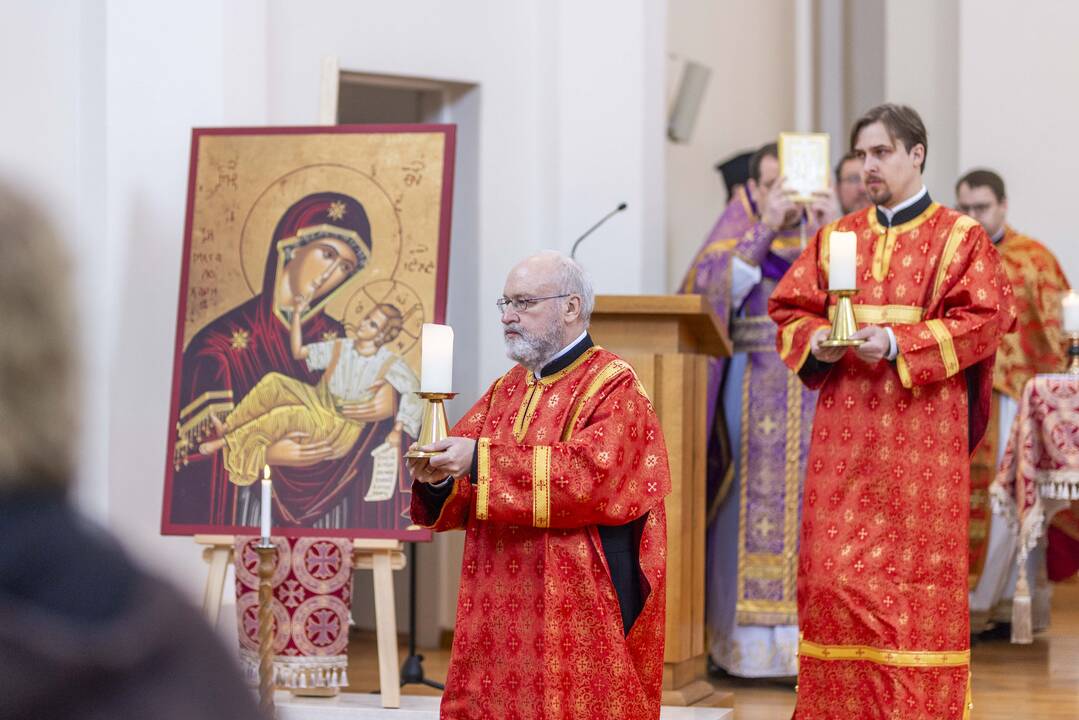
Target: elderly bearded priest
[557, 475]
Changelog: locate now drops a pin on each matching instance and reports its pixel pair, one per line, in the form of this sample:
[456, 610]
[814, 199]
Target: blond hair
[37, 388]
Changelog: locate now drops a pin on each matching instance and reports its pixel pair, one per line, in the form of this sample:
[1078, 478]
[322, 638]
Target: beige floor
[1010, 681]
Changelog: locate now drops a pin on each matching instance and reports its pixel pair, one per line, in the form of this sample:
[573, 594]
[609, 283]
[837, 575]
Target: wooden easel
[381, 556]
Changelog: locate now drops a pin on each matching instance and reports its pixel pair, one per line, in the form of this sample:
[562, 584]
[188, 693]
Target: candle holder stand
[433, 426]
[267, 553]
[1072, 367]
[844, 324]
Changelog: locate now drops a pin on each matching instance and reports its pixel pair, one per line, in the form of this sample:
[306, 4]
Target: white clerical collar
[559, 354]
[999, 234]
[890, 213]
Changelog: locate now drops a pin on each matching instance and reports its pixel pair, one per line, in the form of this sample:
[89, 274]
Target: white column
[831, 98]
[925, 75]
[610, 139]
[803, 65]
[1017, 112]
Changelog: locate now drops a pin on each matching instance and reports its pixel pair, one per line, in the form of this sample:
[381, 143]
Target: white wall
[864, 58]
[52, 129]
[570, 98]
[749, 100]
[922, 70]
[1018, 104]
[170, 68]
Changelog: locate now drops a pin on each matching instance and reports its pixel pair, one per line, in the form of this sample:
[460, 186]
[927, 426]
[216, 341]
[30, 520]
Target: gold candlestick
[844, 324]
[267, 555]
[1072, 367]
[433, 427]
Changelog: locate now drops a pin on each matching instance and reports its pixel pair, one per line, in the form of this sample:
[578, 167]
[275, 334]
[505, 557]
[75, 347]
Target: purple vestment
[760, 417]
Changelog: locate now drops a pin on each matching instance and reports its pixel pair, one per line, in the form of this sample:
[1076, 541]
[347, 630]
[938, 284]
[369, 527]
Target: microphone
[608, 216]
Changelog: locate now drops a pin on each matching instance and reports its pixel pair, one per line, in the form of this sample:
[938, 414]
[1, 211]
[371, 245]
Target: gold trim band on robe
[605, 375]
[541, 486]
[788, 336]
[894, 658]
[530, 403]
[483, 481]
[947, 346]
[959, 231]
[883, 314]
[884, 244]
[883, 249]
[528, 408]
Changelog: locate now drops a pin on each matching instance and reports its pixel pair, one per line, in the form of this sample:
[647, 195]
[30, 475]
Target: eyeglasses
[521, 305]
[975, 208]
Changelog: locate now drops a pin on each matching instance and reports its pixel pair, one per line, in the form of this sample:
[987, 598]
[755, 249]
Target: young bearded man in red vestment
[882, 579]
[557, 475]
[1038, 283]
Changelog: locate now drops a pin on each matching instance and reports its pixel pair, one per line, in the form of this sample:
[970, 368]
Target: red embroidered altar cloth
[1039, 473]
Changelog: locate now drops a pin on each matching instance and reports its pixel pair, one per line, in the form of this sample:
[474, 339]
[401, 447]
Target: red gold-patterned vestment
[539, 632]
[1038, 283]
[882, 581]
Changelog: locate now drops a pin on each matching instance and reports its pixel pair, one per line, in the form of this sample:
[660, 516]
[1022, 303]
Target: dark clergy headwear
[735, 171]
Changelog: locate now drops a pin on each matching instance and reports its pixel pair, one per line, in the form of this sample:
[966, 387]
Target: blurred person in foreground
[83, 632]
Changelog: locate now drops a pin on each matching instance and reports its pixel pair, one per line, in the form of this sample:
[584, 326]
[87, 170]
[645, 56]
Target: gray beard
[533, 351]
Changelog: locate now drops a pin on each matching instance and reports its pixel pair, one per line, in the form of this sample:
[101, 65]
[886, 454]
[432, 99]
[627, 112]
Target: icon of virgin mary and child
[276, 381]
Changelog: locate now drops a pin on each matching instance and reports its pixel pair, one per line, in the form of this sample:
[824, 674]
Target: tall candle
[842, 251]
[267, 502]
[1070, 308]
[436, 359]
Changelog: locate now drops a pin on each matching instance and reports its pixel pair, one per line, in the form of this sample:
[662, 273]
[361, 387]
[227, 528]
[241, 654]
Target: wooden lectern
[668, 339]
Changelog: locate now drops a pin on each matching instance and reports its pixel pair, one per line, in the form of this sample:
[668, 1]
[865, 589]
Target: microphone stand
[573, 251]
[412, 670]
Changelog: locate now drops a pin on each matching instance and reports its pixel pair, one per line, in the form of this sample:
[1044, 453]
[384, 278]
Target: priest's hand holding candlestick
[454, 459]
[822, 353]
[876, 345]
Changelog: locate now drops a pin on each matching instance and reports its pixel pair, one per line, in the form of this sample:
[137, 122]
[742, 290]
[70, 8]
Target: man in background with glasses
[848, 184]
[558, 476]
[1038, 283]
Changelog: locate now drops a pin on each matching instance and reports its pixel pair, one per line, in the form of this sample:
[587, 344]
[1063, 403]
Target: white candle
[1070, 307]
[436, 359]
[842, 254]
[267, 502]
